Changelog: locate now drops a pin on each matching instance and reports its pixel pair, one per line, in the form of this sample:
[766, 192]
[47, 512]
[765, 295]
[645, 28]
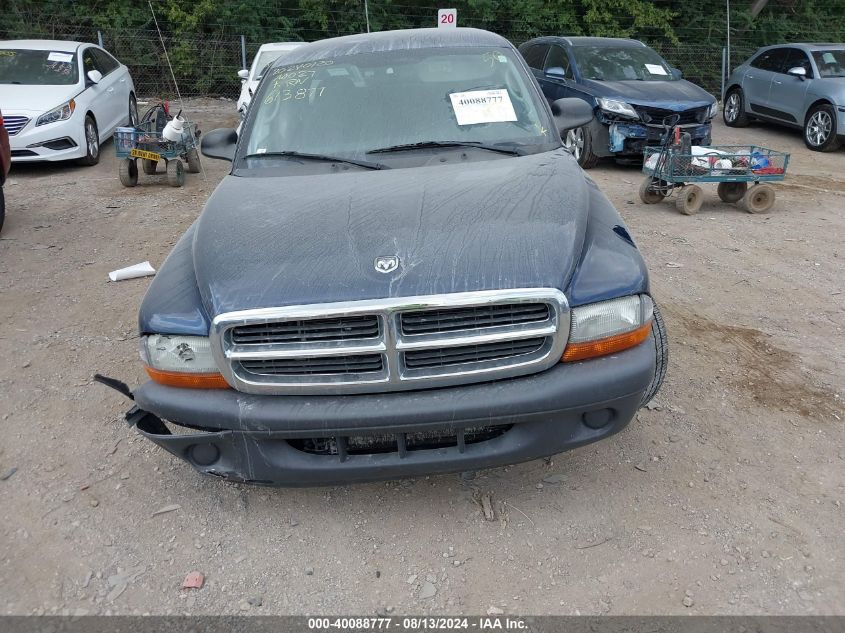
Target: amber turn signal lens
[188, 381]
[605, 346]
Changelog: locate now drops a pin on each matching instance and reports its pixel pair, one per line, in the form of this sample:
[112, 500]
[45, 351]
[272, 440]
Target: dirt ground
[725, 496]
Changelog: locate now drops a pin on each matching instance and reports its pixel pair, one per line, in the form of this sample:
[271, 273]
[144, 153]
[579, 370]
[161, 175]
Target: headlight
[617, 107]
[62, 113]
[714, 110]
[607, 327]
[181, 361]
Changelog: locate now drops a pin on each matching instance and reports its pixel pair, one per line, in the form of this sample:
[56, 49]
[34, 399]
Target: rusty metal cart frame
[146, 143]
[732, 166]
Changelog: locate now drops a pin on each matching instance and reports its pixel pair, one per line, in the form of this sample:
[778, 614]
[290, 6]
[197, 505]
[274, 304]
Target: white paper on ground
[482, 106]
[144, 269]
[60, 57]
[656, 69]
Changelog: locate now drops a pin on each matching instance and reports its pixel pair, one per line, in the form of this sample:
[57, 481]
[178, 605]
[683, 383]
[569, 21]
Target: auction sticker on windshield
[482, 106]
[655, 69]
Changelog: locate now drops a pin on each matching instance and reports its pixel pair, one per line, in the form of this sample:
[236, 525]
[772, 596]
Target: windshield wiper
[324, 157]
[430, 144]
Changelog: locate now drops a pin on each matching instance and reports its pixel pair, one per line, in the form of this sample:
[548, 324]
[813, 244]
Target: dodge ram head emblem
[387, 264]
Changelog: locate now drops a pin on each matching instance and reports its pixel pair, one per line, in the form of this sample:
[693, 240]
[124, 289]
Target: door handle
[109, 89]
[750, 76]
[778, 82]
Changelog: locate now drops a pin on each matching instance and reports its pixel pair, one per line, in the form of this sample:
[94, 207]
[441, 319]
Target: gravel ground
[724, 496]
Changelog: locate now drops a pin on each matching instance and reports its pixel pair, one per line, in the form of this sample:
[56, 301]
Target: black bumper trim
[245, 437]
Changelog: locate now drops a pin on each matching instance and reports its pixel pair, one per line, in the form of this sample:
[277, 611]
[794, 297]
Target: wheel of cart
[175, 173]
[743, 174]
[128, 172]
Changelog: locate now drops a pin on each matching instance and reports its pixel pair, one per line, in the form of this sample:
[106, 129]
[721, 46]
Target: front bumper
[269, 439]
[68, 136]
[633, 138]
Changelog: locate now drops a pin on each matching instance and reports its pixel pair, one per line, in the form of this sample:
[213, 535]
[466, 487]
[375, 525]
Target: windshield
[350, 105]
[263, 60]
[621, 63]
[37, 68]
[830, 63]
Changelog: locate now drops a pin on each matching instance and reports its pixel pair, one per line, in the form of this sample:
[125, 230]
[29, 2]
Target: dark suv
[404, 273]
[630, 88]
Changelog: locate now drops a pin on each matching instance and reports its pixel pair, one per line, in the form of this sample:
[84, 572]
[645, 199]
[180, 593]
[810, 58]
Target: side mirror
[677, 74]
[556, 72]
[798, 71]
[220, 143]
[95, 76]
[571, 113]
[243, 73]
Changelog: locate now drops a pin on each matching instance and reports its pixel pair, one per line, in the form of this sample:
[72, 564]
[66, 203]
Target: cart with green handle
[146, 142]
[732, 166]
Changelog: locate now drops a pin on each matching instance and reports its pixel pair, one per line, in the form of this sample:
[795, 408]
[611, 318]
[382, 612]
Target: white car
[60, 100]
[266, 55]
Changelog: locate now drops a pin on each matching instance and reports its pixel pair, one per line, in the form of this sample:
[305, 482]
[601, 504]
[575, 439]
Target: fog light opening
[599, 418]
[204, 454]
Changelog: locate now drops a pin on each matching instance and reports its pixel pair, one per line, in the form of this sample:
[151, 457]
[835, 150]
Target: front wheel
[175, 173]
[689, 200]
[580, 144]
[647, 194]
[92, 143]
[820, 129]
[128, 172]
[193, 158]
[733, 113]
[661, 356]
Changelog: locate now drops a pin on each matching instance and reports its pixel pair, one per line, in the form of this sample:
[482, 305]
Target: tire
[732, 191]
[2, 207]
[733, 113]
[759, 198]
[661, 351]
[133, 111]
[689, 200]
[193, 157]
[175, 173]
[647, 194]
[92, 143]
[580, 143]
[149, 166]
[128, 172]
[820, 129]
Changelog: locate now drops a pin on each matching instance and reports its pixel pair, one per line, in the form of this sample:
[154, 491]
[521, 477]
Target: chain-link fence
[208, 66]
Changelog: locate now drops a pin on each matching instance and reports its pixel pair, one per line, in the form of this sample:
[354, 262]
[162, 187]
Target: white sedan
[60, 100]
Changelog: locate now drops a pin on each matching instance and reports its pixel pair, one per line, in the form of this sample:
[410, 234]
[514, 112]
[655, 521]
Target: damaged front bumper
[323, 440]
[612, 137]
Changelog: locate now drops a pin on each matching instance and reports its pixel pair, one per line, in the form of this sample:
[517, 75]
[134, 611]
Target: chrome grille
[392, 344]
[443, 356]
[428, 321]
[329, 365]
[303, 331]
[14, 124]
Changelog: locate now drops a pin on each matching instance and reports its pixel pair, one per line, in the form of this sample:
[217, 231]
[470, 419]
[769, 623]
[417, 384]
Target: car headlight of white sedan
[62, 113]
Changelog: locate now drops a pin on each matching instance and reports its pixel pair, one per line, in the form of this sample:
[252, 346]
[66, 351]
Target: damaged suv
[405, 272]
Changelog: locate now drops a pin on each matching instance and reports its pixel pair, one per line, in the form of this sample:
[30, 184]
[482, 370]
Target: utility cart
[157, 138]
[676, 165]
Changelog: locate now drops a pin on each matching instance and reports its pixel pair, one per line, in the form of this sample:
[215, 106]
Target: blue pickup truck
[404, 273]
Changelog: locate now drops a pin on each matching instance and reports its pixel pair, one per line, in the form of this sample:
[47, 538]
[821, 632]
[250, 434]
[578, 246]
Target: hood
[31, 100]
[492, 224]
[670, 95]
